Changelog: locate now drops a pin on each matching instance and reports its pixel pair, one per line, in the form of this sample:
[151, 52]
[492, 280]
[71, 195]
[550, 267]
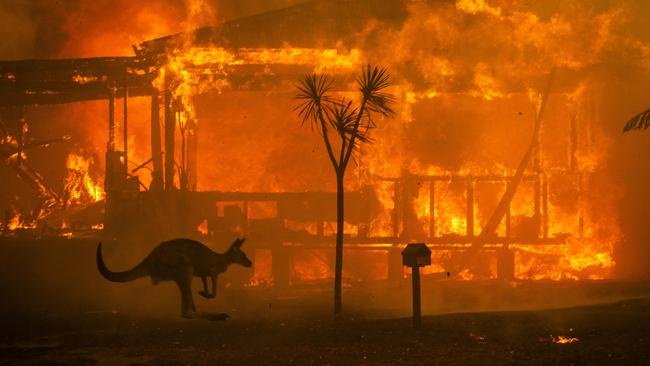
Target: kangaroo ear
[237, 243]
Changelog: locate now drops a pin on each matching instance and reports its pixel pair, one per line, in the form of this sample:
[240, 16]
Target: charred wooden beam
[545, 206]
[49, 97]
[437, 243]
[537, 203]
[92, 64]
[125, 128]
[470, 208]
[170, 126]
[111, 119]
[156, 148]
[432, 208]
[397, 208]
[495, 178]
[192, 154]
[273, 196]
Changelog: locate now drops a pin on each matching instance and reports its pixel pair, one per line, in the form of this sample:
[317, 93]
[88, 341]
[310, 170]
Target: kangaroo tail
[136, 272]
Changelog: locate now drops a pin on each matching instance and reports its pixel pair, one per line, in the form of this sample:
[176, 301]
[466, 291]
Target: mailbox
[416, 255]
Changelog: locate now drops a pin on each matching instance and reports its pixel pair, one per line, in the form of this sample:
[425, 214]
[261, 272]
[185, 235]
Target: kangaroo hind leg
[188, 310]
[187, 302]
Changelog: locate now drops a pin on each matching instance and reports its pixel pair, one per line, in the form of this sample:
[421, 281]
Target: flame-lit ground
[611, 334]
[55, 312]
[58, 309]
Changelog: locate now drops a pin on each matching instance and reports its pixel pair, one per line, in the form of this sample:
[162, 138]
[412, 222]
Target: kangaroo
[179, 260]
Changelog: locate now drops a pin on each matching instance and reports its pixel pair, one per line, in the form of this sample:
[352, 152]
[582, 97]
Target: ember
[564, 340]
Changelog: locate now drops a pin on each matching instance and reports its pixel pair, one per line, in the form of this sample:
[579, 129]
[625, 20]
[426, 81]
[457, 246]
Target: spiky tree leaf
[351, 123]
[371, 83]
[345, 117]
[313, 93]
[639, 122]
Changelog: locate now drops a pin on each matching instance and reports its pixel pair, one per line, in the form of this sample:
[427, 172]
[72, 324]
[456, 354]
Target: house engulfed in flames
[471, 81]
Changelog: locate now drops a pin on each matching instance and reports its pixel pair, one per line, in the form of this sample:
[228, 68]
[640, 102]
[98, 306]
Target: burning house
[493, 159]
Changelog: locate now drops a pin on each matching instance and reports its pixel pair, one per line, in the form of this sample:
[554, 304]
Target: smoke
[31, 29]
[84, 28]
[21, 44]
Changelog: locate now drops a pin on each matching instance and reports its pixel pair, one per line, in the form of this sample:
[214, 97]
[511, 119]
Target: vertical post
[417, 310]
[405, 206]
[126, 130]
[508, 217]
[432, 208]
[109, 169]
[538, 206]
[111, 117]
[537, 159]
[545, 206]
[170, 126]
[182, 127]
[470, 207]
[192, 153]
[416, 255]
[397, 189]
[110, 165]
[156, 148]
[245, 223]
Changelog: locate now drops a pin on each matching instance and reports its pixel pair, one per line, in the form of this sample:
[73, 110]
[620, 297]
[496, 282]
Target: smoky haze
[467, 78]
[81, 28]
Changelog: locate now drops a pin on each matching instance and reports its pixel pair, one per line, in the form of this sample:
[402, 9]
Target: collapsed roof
[323, 24]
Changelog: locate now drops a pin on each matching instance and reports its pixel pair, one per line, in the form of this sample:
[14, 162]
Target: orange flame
[532, 45]
[80, 187]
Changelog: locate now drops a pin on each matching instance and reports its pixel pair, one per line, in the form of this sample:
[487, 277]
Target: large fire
[477, 85]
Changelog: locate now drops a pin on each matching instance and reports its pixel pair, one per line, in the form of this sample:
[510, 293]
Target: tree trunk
[338, 272]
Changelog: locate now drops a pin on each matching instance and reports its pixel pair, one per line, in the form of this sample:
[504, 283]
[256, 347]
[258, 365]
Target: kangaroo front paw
[207, 316]
[217, 316]
[206, 294]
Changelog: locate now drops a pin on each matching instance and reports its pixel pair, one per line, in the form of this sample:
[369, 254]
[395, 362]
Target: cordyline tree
[639, 122]
[344, 126]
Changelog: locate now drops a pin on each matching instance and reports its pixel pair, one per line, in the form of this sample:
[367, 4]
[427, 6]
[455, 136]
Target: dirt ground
[608, 334]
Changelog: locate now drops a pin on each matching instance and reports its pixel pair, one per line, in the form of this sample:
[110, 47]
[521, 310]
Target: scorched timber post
[156, 148]
[109, 183]
[170, 125]
[111, 117]
[110, 178]
[126, 131]
[470, 207]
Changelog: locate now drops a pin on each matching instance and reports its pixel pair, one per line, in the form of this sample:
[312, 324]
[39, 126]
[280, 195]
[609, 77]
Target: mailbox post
[416, 255]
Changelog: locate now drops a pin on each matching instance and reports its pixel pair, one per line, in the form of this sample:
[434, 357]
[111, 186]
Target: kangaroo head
[236, 255]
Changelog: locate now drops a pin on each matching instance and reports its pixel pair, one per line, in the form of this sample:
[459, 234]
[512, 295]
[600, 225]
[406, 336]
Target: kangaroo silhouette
[180, 260]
